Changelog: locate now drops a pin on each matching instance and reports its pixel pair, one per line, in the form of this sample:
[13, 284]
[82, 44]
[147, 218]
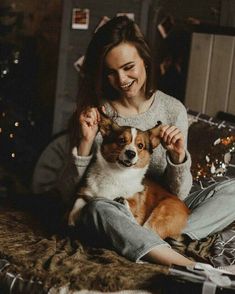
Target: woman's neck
[130, 107]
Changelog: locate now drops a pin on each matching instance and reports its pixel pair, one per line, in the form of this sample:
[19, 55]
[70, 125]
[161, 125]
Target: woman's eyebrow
[126, 64]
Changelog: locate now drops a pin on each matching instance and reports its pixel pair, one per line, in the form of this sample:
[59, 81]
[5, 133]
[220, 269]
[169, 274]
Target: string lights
[216, 162]
[17, 119]
[9, 133]
[22, 120]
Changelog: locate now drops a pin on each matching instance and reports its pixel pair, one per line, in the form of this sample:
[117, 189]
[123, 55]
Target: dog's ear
[154, 137]
[106, 125]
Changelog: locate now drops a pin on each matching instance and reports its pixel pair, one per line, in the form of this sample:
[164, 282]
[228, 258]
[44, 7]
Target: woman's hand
[173, 140]
[88, 120]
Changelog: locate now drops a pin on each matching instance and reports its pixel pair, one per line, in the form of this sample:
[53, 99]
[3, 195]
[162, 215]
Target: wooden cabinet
[211, 74]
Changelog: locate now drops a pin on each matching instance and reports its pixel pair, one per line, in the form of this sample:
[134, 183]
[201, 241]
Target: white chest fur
[109, 180]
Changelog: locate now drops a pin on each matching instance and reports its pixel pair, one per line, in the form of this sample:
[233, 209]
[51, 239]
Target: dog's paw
[73, 216]
[120, 200]
[71, 221]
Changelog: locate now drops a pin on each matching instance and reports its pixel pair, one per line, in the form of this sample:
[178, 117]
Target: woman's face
[126, 71]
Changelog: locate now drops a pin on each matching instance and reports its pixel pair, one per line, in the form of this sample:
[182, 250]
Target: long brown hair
[94, 87]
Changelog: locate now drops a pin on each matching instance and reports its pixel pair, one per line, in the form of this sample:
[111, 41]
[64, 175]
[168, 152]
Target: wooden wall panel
[198, 73]
[220, 75]
[211, 74]
[231, 100]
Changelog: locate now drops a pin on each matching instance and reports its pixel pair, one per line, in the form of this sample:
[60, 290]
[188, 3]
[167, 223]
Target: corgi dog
[118, 173]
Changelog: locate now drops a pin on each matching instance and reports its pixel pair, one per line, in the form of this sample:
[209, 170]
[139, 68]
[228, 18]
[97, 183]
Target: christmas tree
[21, 118]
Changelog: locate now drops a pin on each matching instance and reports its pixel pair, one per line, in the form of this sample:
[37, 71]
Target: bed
[37, 255]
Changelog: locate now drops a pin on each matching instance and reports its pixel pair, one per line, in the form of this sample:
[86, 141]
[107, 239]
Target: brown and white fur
[118, 172]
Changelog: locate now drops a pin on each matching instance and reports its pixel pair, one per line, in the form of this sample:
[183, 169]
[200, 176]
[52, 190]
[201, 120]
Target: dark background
[38, 82]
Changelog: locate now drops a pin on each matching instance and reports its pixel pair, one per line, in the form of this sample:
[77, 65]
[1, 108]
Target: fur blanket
[34, 260]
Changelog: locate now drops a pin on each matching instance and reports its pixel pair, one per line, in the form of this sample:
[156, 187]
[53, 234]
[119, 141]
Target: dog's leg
[168, 219]
[78, 205]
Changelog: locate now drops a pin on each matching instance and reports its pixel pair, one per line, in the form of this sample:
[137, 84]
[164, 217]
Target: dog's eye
[140, 146]
[121, 141]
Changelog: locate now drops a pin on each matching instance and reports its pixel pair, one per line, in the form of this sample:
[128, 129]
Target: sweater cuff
[186, 162]
[81, 161]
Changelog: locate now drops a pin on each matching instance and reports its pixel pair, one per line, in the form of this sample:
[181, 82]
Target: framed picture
[80, 19]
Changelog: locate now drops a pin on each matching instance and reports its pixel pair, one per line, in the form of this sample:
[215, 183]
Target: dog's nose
[130, 154]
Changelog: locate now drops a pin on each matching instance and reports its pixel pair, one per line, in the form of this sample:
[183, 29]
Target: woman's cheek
[111, 81]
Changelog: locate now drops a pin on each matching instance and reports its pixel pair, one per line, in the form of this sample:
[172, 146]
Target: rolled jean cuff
[143, 251]
[191, 236]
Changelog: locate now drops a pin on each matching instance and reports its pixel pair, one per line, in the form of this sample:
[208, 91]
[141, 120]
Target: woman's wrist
[178, 158]
[84, 147]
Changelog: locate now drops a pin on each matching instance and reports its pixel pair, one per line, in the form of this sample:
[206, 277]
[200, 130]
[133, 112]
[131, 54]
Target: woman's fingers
[94, 113]
[90, 116]
[88, 121]
[97, 114]
[178, 136]
[170, 134]
[173, 141]
[103, 109]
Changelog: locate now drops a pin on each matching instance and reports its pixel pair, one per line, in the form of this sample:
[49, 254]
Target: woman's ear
[154, 137]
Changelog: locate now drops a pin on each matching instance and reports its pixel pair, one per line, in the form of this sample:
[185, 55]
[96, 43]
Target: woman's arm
[178, 175]
[61, 169]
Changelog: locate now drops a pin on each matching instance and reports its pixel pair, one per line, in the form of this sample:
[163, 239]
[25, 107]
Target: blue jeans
[212, 209]
[106, 223]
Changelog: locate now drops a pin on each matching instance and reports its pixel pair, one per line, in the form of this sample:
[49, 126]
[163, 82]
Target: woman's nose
[121, 77]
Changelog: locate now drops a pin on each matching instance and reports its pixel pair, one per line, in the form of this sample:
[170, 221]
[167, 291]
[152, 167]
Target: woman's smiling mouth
[126, 86]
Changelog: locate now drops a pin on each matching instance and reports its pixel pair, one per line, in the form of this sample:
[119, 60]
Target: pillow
[211, 143]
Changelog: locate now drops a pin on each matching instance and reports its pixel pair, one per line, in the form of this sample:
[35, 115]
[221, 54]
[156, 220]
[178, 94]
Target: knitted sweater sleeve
[58, 169]
[178, 176]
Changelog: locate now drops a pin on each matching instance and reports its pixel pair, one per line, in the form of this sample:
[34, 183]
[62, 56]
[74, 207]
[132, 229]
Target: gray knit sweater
[59, 169]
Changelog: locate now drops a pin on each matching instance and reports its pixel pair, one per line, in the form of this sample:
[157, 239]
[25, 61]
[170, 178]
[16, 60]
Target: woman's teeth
[126, 86]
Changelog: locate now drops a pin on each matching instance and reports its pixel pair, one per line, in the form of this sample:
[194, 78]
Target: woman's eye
[110, 72]
[140, 146]
[129, 67]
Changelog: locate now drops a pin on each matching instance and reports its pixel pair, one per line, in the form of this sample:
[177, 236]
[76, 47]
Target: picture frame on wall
[80, 18]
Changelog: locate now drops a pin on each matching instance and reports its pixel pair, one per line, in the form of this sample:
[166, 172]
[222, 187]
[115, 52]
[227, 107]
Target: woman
[116, 74]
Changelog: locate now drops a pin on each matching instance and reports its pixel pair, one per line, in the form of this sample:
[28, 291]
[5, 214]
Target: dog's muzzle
[128, 159]
[130, 154]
